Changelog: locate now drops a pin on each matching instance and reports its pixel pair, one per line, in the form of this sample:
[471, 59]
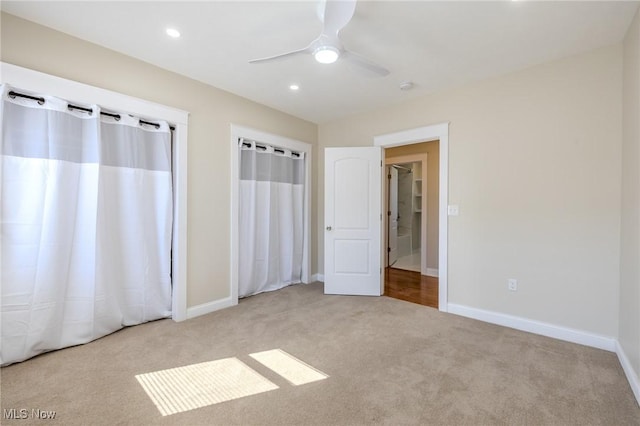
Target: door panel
[351, 256]
[351, 193]
[353, 221]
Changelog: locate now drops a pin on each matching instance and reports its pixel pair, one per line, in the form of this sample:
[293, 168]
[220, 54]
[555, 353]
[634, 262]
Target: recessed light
[172, 32]
[294, 87]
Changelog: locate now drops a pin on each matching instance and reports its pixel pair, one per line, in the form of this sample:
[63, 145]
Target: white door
[353, 221]
[392, 177]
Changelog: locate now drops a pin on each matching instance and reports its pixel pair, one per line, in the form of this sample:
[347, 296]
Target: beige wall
[211, 112]
[432, 149]
[534, 164]
[629, 334]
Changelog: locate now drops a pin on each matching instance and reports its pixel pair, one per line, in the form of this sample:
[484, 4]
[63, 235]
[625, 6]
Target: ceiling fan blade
[282, 55]
[366, 64]
[337, 14]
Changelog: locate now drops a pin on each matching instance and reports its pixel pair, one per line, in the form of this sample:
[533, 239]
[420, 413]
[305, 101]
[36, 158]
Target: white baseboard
[207, 308]
[317, 277]
[432, 272]
[632, 375]
[536, 327]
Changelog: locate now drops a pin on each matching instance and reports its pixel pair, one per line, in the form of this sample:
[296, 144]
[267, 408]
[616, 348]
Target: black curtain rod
[13, 95]
[41, 101]
[264, 148]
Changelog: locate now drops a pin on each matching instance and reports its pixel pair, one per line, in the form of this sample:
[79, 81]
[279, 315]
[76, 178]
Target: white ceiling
[436, 45]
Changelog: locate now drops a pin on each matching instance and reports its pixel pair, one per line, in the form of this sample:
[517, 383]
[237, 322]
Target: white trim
[207, 308]
[238, 132]
[536, 327]
[432, 272]
[74, 91]
[424, 213]
[317, 277]
[411, 136]
[438, 132]
[632, 375]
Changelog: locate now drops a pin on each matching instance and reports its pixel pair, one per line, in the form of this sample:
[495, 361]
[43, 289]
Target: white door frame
[425, 134]
[386, 227]
[421, 158]
[238, 132]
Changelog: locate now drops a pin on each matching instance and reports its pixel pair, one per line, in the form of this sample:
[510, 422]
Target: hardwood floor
[411, 286]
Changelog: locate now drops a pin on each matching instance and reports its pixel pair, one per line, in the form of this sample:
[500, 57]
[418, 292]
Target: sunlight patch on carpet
[198, 385]
[289, 367]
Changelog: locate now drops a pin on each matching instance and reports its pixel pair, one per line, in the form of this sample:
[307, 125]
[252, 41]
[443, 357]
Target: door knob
[328, 228]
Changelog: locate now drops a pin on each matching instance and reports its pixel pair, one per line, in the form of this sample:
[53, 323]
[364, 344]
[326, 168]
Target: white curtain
[85, 224]
[271, 218]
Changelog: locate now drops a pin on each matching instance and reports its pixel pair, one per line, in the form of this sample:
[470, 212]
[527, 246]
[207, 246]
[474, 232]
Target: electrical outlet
[512, 284]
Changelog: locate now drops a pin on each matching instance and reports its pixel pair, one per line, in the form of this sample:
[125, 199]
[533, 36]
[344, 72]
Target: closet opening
[270, 212]
[88, 209]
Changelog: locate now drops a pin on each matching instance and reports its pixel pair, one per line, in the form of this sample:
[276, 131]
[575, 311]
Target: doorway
[406, 234]
[412, 227]
[404, 140]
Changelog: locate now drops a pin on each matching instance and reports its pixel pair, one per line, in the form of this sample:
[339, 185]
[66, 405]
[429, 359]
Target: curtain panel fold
[271, 218]
[86, 219]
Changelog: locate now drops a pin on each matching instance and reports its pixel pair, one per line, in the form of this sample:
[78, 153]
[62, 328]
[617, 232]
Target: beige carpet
[387, 362]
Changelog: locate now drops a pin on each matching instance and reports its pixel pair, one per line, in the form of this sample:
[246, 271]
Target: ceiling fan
[328, 47]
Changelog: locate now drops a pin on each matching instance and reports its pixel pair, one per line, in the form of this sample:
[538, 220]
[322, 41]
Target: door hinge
[380, 163]
[380, 216]
[388, 249]
[388, 212]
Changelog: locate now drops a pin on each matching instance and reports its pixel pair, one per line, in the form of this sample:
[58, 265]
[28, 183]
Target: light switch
[453, 210]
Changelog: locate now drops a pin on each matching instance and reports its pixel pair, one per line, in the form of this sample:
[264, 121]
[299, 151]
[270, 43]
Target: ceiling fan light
[326, 54]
